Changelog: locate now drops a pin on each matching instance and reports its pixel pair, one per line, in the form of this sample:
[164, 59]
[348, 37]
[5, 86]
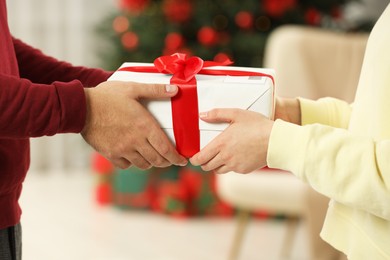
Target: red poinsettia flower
[277, 8]
[177, 10]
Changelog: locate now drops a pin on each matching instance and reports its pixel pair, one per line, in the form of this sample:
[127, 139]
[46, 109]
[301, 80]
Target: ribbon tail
[185, 118]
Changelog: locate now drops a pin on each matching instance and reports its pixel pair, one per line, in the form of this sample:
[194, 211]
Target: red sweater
[39, 96]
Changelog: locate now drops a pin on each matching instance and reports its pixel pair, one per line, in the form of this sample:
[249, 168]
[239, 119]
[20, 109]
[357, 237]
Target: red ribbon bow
[183, 69]
[185, 112]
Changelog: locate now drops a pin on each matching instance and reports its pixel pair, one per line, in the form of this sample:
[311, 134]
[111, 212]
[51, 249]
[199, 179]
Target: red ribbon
[185, 112]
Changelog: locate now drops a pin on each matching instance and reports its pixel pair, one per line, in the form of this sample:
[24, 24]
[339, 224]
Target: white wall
[64, 29]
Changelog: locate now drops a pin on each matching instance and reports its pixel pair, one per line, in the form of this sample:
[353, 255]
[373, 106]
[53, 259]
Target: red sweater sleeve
[40, 68]
[47, 99]
[34, 110]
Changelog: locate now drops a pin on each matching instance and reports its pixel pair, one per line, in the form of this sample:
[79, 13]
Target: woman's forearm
[288, 109]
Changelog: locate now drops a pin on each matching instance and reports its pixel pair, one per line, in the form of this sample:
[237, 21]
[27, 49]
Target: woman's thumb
[218, 115]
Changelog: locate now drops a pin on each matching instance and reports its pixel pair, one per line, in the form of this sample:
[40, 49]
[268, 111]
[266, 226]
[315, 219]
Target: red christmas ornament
[133, 6]
[207, 36]
[313, 16]
[244, 19]
[277, 8]
[177, 10]
[120, 24]
[173, 41]
[130, 40]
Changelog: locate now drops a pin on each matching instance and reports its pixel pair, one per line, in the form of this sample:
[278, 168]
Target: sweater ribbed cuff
[286, 149]
[73, 106]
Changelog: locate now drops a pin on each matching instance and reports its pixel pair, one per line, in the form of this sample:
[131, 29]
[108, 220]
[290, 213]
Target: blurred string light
[244, 19]
[120, 24]
[130, 40]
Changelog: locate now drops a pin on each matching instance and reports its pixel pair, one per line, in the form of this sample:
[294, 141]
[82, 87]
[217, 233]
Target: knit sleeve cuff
[286, 150]
[73, 106]
[326, 111]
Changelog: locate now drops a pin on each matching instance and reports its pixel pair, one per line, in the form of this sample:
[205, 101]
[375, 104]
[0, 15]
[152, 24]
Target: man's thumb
[156, 91]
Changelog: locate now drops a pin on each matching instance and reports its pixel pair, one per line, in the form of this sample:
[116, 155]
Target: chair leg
[292, 225]
[243, 220]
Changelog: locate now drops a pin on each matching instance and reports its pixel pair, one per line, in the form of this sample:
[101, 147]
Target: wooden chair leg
[292, 225]
[242, 222]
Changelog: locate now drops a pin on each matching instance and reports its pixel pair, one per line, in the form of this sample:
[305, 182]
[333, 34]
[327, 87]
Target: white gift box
[254, 93]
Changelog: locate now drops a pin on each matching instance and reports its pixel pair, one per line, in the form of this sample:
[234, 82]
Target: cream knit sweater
[343, 152]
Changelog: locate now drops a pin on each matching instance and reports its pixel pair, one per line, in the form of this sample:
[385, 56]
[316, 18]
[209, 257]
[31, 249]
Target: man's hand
[123, 131]
[242, 147]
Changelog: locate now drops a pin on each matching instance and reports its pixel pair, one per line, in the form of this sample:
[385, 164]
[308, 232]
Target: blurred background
[78, 206]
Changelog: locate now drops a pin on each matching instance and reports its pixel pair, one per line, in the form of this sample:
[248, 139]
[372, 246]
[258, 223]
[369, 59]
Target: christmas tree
[142, 30]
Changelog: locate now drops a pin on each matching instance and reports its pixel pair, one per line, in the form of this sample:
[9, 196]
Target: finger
[216, 162]
[206, 154]
[220, 115]
[153, 91]
[221, 170]
[138, 161]
[121, 163]
[148, 152]
[165, 148]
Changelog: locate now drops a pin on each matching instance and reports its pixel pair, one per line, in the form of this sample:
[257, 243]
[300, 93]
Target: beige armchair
[310, 63]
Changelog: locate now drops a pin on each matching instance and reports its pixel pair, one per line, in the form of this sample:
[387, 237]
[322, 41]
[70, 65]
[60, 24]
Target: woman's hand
[242, 147]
